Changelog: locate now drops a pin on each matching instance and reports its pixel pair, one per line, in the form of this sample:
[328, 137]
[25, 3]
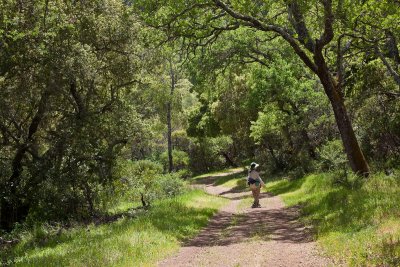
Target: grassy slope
[128, 242]
[359, 226]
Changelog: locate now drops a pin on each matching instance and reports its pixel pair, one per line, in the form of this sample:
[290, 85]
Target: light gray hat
[254, 165]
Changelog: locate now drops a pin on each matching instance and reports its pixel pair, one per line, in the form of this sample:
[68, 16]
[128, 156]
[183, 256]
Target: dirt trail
[241, 236]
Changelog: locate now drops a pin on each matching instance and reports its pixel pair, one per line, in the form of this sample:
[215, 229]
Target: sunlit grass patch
[140, 241]
[218, 173]
[235, 181]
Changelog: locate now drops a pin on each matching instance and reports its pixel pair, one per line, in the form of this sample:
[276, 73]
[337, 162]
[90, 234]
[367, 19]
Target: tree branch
[255, 23]
[391, 70]
[297, 20]
[328, 34]
[80, 106]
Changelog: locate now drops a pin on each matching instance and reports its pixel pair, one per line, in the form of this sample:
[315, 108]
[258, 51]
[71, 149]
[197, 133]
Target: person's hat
[254, 165]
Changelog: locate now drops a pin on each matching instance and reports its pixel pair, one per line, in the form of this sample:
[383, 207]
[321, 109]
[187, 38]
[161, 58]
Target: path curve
[237, 236]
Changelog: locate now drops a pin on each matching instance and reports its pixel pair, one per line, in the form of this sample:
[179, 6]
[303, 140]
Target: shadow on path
[264, 224]
[233, 235]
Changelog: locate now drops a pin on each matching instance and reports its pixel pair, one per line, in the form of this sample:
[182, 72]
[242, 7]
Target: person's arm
[261, 181]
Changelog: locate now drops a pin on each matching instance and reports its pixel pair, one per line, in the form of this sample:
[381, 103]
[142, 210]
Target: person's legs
[254, 192]
[257, 196]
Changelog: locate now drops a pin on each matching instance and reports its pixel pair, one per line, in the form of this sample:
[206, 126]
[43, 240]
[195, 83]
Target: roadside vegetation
[357, 223]
[138, 240]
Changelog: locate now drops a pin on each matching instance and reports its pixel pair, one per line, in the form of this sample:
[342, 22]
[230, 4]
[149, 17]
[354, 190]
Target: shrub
[171, 185]
[144, 181]
[332, 155]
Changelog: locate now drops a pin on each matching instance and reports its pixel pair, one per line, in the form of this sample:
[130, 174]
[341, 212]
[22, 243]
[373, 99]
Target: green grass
[216, 173]
[140, 241]
[359, 225]
[236, 181]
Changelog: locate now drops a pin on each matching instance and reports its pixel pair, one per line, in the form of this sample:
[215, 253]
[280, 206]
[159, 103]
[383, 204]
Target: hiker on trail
[255, 182]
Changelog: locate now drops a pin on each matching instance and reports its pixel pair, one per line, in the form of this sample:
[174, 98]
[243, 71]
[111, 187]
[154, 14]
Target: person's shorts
[255, 185]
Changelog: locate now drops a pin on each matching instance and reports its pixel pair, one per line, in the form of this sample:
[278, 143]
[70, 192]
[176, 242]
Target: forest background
[109, 101]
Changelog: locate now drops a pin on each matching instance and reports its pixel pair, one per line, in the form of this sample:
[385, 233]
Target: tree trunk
[169, 110]
[353, 151]
[288, 137]
[144, 204]
[12, 209]
[277, 161]
[89, 199]
[228, 159]
[308, 144]
[169, 137]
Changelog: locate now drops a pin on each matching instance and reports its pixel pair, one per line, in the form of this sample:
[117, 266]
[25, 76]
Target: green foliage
[378, 112]
[140, 180]
[179, 158]
[268, 123]
[171, 185]
[202, 123]
[68, 72]
[332, 155]
[207, 153]
[293, 119]
[145, 178]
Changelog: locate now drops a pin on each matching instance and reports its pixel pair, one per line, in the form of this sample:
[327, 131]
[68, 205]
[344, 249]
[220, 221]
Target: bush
[170, 185]
[332, 155]
[144, 181]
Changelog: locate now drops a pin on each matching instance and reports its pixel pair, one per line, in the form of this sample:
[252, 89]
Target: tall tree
[173, 78]
[307, 26]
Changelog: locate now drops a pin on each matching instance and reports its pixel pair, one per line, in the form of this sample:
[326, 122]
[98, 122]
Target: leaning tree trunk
[228, 159]
[353, 151]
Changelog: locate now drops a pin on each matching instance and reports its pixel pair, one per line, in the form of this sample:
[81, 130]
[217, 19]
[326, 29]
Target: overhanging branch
[255, 23]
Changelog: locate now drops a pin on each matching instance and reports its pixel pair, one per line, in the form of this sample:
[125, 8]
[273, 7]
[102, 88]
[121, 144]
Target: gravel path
[241, 236]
